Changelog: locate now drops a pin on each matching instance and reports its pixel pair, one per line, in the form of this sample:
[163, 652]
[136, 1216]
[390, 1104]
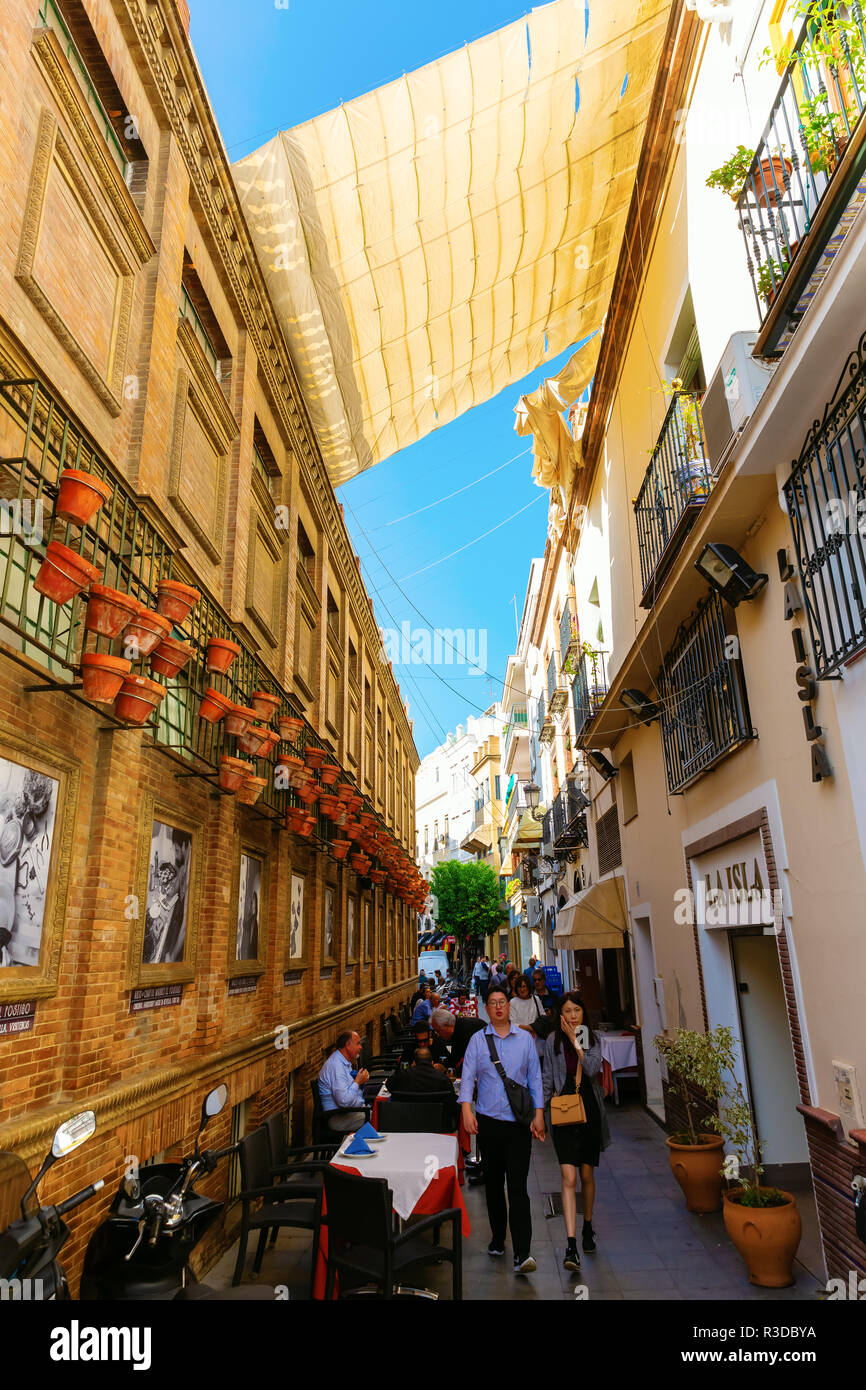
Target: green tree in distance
[468, 897]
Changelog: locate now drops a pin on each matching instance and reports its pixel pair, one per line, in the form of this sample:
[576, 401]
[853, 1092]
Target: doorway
[652, 1015]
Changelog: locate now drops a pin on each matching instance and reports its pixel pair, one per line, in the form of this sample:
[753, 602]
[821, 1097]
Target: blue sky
[270, 66]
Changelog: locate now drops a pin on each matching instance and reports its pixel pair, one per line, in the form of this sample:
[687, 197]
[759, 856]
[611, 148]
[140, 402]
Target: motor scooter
[142, 1248]
[31, 1243]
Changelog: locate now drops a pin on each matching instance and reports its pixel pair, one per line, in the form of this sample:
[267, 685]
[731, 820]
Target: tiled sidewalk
[649, 1246]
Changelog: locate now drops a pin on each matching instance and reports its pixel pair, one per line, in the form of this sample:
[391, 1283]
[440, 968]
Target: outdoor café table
[464, 1141]
[405, 1161]
[618, 1050]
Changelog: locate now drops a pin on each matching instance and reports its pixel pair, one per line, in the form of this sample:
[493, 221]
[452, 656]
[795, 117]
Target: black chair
[292, 1166]
[414, 1117]
[322, 1132]
[297, 1205]
[362, 1239]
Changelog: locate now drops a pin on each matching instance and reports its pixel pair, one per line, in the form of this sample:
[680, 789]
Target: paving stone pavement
[649, 1246]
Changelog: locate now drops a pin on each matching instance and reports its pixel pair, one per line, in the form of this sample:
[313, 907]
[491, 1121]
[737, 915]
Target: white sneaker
[527, 1266]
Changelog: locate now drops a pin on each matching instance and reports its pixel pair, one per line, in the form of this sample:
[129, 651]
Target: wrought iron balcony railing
[676, 485]
[824, 495]
[705, 712]
[51, 18]
[569, 822]
[569, 639]
[589, 689]
[819, 104]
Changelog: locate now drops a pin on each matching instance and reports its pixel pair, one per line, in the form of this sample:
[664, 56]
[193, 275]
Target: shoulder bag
[569, 1110]
[519, 1097]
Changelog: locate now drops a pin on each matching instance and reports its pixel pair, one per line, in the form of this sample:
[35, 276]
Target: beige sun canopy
[594, 919]
[428, 244]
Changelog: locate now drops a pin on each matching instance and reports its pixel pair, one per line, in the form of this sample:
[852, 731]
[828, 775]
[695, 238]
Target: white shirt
[524, 1012]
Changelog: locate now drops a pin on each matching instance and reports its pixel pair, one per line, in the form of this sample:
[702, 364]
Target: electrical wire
[498, 527]
[456, 493]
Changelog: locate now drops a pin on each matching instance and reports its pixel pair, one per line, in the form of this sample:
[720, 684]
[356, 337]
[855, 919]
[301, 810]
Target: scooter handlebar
[83, 1196]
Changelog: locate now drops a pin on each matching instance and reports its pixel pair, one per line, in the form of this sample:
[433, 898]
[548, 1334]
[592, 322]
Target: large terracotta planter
[138, 698]
[314, 757]
[233, 772]
[252, 742]
[293, 769]
[299, 822]
[377, 875]
[252, 788]
[221, 653]
[360, 863]
[170, 657]
[265, 705]
[290, 727]
[214, 706]
[271, 740]
[328, 776]
[698, 1170]
[147, 630]
[80, 495]
[63, 573]
[238, 719]
[176, 600]
[102, 676]
[340, 848]
[308, 793]
[767, 1238]
[109, 611]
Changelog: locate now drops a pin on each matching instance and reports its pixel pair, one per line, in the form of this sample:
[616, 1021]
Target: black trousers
[506, 1149]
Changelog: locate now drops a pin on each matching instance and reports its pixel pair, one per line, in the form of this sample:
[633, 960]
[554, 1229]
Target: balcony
[569, 639]
[546, 724]
[704, 711]
[517, 724]
[568, 823]
[589, 690]
[806, 171]
[676, 486]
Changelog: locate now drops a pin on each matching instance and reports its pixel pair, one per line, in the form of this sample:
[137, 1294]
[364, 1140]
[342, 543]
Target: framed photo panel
[329, 924]
[351, 930]
[297, 942]
[248, 942]
[163, 939]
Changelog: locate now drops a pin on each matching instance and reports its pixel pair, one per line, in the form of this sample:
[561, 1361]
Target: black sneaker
[494, 1249]
[588, 1238]
[572, 1259]
[525, 1266]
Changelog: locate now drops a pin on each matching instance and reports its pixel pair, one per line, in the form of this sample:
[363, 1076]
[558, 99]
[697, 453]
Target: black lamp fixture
[601, 764]
[728, 573]
[640, 705]
[531, 793]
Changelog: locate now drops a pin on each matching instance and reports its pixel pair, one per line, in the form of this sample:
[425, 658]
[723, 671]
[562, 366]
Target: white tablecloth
[619, 1049]
[409, 1163]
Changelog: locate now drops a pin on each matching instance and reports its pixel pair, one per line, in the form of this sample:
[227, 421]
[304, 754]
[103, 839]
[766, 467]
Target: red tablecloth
[441, 1194]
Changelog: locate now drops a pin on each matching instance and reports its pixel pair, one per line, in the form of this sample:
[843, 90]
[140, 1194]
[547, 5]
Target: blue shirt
[337, 1089]
[423, 1010]
[519, 1058]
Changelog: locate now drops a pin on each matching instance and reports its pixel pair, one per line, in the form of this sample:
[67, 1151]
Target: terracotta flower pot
[102, 676]
[289, 727]
[308, 793]
[251, 790]
[698, 1170]
[345, 790]
[314, 757]
[293, 769]
[340, 848]
[63, 573]
[238, 719]
[299, 822]
[770, 180]
[170, 657]
[80, 495]
[377, 875]
[109, 610]
[176, 600]
[253, 740]
[767, 1238]
[328, 776]
[233, 772]
[272, 738]
[360, 863]
[265, 705]
[214, 706]
[138, 698]
[306, 827]
[221, 653]
[147, 630]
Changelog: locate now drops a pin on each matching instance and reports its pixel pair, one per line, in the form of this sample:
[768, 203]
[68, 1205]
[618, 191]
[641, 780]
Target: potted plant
[102, 676]
[692, 1059]
[731, 175]
[233, 772]
[63, 573]
[146, 630]
[290, 727]
[251, 789]
[770, 275]
[176, 600]
[264, 704]
[238, 719]
[763, 1222]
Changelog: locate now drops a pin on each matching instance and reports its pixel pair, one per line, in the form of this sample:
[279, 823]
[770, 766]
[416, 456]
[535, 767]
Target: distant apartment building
[458, 795]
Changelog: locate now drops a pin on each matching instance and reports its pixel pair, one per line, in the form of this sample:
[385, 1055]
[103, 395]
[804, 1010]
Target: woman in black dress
[573, 1047]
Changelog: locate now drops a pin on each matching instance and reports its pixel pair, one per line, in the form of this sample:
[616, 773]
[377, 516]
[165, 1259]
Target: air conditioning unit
[737, 385]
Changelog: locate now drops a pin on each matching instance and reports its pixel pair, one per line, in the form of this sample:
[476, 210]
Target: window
[195, 308]
[306, 554]
[498, 786]
[353, 662]
[333, 695]
[265, 470]
[607, 840]
[305, 647]
[447, 833]
[333, 616]
[627, 789]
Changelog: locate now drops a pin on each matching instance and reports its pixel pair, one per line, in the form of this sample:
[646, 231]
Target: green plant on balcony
[833, 41]
[730, 176]
[770, 275]
[823, 136]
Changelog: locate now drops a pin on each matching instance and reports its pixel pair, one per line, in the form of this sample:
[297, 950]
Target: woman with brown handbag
[575, 1112]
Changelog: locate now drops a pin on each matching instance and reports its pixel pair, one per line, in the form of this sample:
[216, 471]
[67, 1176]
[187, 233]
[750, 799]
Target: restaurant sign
[731, 888]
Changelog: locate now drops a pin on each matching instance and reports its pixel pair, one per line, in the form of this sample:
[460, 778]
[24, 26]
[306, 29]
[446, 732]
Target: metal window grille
[607, 841]
[677, 481]
[588, 690]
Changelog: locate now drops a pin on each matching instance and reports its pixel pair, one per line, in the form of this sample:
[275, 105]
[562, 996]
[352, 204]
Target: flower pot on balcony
[340, 848]
[109, 610]
[377, 875]
[214, 706]
[146, 631]
[299, 822]
[367, 820]
[314, 757]
[293, 769]
[345, 790]
[308, 792]
[265, 705]
[253, 740]
[238, 720]
[63, 573]
[233, 772]
[221, 653]
[360, 863]
[252, 788]
[139, 697]
[289, 727]
[328, 775]
[102, 676]
[272, 738]
[80, 495]
[170, 657]
[767, 1238]
[176, 600]
[328, 803]
[770, 180]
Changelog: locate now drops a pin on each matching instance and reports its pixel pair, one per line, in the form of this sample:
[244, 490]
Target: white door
[651, 1007]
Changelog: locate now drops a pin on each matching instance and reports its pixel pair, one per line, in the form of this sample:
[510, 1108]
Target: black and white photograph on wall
[296, 918]
[28, 805]
[367, 914]
[328, 934]
[350, 930]
[249, 902]
[167, 894]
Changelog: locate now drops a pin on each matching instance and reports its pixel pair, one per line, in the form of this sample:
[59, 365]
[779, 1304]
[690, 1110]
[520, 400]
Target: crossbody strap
[495, 1059]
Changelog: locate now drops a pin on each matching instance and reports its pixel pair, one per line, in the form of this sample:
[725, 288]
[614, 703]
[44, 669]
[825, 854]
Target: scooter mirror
[72, 1133]
[214, 1103]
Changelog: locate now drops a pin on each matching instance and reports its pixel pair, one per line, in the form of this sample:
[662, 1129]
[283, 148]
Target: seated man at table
[425, 1081]
[423, 1009]
[455, 1034]
[423, 1037]
[340, 1086]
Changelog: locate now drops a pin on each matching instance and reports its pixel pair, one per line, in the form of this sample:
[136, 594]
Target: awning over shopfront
[594, 919]
[529, 832]
[479, 840]
[431, 242]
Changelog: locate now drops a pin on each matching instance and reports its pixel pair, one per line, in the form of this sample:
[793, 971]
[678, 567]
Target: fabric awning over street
[529, 832]
[479, 840]
[430, 243]
[593, 919]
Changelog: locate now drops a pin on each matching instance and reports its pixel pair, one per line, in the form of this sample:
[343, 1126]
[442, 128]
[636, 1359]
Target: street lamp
[640, 705]
[601, 764]
[531, 793]
[728, 573]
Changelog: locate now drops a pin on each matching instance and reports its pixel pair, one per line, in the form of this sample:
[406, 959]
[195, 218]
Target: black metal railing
[704, 708]
[826, 499]
[589, 689]
[568, 821]
[819, 103]
[551, 679]
[677, 481]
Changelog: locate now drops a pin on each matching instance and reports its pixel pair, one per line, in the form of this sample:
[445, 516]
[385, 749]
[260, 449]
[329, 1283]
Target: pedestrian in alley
[481, 977]
[505, 1141]
[423, 1009]
[498, 979]
[572, 1063]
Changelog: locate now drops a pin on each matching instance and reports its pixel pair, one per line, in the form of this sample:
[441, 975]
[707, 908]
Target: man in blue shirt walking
[505, 1145]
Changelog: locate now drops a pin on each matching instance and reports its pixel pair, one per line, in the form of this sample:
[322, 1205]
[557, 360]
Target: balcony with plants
[806, 171]
[676, 485]
[589, 689]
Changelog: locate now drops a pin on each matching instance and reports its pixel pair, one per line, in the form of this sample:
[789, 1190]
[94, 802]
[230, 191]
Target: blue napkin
[367, 1132]
[357, 1146]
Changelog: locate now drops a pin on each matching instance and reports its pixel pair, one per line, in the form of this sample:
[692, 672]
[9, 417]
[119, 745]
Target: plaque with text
[244, 984]
[155, 997]
[293, 977]
[17, 1018]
